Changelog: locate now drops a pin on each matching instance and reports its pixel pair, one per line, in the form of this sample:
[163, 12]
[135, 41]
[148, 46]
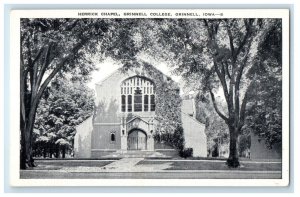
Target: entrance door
[137, 140]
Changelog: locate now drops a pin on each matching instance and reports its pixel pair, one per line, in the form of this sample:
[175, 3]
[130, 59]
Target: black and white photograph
[151, 95]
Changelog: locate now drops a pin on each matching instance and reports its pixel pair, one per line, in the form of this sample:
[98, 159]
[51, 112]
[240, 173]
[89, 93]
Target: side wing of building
[194, 131]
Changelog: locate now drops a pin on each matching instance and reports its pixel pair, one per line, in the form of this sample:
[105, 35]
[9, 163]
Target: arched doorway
[137, 140]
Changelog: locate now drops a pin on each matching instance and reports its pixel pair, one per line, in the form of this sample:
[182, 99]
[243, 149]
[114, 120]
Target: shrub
[186, 152]
[176, 140]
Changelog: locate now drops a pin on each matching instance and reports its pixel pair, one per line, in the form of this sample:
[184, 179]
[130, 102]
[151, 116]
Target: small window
[112, 137]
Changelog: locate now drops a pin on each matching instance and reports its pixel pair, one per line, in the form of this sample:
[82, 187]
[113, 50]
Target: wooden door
[137, 140]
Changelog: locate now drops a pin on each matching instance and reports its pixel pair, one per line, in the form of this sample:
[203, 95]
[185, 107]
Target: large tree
[264, 117]
[51, 47]
[216, 55]
[64, 105]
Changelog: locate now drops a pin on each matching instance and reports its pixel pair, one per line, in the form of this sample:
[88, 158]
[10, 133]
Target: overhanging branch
[45, 65]
[59, 66]
[216, 107]
[221, 76]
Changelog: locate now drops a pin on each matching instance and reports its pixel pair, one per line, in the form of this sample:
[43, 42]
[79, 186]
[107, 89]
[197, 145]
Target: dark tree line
[64, 105]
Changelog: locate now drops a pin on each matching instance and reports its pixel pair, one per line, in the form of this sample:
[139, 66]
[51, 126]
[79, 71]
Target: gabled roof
[137, 117]
[192, 118]
[100, 82]
[172, 83]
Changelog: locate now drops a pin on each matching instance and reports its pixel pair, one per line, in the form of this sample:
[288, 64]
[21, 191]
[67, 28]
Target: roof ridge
[100, 82]
[195, 120]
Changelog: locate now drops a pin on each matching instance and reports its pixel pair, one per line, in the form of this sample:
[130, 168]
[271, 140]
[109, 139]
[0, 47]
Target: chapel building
[126, 116]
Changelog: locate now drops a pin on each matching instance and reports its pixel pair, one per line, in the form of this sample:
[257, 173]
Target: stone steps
[136, 154]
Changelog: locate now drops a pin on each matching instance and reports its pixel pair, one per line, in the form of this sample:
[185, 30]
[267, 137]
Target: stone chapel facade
[125, 117]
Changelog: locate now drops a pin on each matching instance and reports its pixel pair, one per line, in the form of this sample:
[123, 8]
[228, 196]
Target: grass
[189, 164]
[209, 165]
[76, 159]
[57, 165]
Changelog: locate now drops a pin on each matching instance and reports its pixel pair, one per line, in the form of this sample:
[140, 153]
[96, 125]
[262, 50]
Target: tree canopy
[216, 55]
[264, 117]
[64, 46]
[233, 61]
[63, 106]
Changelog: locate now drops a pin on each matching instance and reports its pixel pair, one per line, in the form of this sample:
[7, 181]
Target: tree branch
[221, 76]
[227, 69]
[230, 39]
[22, 91]
[45, 65]
[216, 107]
[247, 35]
[207, 28]
[59, 66]
[37, 56]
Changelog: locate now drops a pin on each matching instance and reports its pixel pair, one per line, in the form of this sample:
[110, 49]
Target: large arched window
[137, 95]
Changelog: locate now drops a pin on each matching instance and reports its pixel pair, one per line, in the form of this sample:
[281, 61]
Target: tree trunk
[233, 159]
[22, 151]
[28, 148]
[63, 152]
[28, 135]
[57, 152]
[23, 140]
[26, 159]
[44, 152]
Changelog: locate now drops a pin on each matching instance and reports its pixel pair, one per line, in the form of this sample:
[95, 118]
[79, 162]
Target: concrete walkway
[122, 165]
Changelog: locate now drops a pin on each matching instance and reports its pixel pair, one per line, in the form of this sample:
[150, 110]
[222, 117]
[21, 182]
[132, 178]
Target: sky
[108, 66]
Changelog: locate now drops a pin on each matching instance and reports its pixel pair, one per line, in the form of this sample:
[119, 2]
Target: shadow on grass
[210, 165]
[57, 165]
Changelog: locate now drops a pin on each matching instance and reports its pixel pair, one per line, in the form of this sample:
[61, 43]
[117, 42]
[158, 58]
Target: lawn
[215, 165]
[59, 164]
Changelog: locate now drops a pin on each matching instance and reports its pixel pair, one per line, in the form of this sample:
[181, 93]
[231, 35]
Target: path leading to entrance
[122, 165]
[135, 154]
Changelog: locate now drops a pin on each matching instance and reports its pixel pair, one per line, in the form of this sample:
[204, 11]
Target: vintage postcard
[140, 97]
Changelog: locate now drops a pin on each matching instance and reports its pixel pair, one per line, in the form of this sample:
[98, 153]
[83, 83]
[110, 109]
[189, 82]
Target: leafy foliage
[174, 139]
[244, 145]
[63, 106]
[216, 54]
[64, 47]
[265, 112]
[186, 152]
[167, 110]
[215, 128]
[168, 107]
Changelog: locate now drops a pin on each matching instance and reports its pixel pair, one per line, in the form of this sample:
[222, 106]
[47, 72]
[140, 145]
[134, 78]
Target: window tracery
[137, 95]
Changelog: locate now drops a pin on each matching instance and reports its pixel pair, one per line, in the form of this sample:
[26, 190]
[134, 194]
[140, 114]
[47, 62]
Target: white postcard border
[227, 13]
